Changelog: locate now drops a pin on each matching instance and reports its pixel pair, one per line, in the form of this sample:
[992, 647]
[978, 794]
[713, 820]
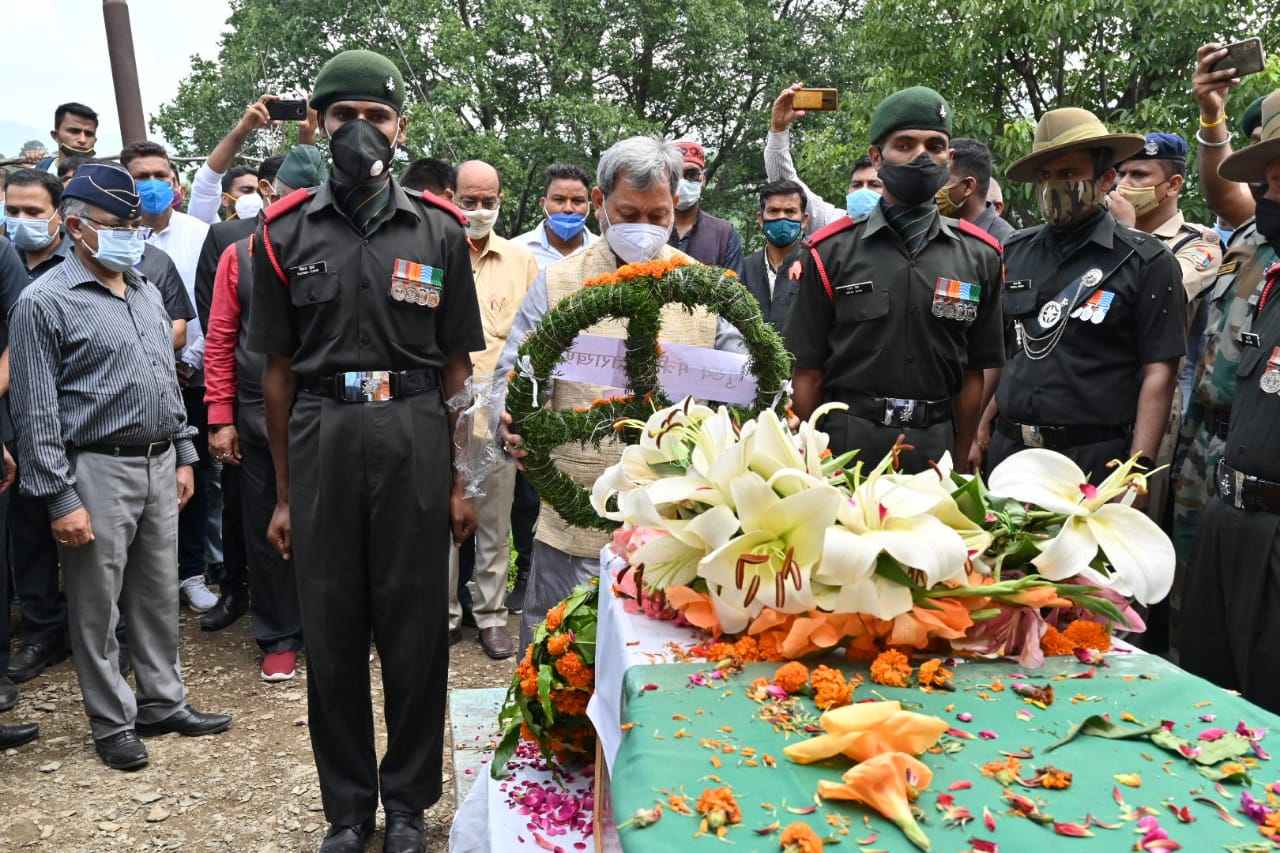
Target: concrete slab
[473, 716]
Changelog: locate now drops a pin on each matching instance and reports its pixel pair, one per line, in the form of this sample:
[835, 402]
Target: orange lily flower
[947, 618]
[1041, 596]
[695, 607]
[887, 783]
[866, 730]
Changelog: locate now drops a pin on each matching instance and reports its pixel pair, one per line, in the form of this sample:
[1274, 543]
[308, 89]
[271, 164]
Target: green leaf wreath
[635, 293]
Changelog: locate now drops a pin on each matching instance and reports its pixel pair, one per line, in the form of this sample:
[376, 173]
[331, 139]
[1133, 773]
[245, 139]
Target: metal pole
[124, 70]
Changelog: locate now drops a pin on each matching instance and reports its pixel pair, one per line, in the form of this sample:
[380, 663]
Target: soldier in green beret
[364, 305]
[897, 313]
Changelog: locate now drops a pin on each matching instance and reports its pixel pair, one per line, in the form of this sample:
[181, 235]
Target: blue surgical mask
[860, 203]
[156, 195]
[118, 249]
[782, 232]
[29, 235]
[1224, 234]
[567, 226]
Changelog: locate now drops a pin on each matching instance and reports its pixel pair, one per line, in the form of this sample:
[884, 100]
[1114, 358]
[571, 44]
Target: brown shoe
[497, 643]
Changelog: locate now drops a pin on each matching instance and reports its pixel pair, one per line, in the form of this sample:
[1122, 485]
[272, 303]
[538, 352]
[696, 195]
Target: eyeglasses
[135, 232]
[469, 203]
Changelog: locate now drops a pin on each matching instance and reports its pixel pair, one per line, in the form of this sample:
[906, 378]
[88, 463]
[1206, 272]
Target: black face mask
[361, 172]
[913, 183]
[1267, 217]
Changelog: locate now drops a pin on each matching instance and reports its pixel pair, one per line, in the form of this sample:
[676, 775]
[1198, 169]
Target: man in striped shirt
[107, 445]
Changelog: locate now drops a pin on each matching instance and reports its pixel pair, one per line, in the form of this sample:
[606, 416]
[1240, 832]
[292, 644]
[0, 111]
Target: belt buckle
[151, 446]
[899, 411]
[1031, 435]
[363, 386]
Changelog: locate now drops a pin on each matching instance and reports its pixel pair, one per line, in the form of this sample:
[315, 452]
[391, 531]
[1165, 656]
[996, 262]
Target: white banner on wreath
[683, 371]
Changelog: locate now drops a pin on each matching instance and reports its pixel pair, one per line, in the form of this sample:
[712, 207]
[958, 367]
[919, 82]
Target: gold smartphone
[816, 99]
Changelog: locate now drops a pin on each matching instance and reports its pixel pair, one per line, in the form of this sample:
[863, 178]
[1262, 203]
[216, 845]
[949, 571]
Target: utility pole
[124, 70]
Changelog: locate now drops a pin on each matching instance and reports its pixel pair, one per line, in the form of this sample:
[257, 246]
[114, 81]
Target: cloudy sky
[40, 73]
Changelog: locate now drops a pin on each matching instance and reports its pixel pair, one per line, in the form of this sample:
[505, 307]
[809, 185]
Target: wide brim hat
[1249, 165]
[1071, 129]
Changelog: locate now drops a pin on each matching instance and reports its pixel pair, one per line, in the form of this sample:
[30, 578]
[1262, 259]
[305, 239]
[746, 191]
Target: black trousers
[369, 501]
[1092, 458]
[234, 556]
[873, 441]
[33, 557]
[273, 585]
[524, 520]
[1229, 632]
[193, 521]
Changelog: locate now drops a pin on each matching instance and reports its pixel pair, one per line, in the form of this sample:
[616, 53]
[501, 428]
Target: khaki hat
[1250, 164]
[1071, 129]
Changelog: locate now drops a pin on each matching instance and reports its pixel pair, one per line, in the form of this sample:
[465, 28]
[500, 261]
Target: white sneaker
[198, 596]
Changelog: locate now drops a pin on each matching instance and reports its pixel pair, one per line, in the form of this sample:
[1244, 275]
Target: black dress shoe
[347, 839]
[11, 736]
[34, 658]
[404, 833]
[497, 643]
[233, 604]
[8, 693]
[122, 751]
[188, 722]
[455, 636]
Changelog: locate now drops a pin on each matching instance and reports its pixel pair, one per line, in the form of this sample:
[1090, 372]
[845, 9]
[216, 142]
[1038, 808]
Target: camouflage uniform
[1238, 284]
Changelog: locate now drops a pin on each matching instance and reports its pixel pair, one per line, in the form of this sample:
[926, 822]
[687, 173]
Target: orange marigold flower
[770, 644]
[792, 677]
[529, 686]
[718, 651]
[799, 837]
[559, 643]
[746, 650]
[1052, 777]
[891, 668]
[526, 733]
[991, 768]
[830, 690]
[1089, 634]
[555, 616]
[933, 674]
[1054, 642]
[719, 807]
[572, 703]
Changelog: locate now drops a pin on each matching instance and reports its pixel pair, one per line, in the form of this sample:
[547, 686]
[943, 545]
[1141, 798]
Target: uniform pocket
[1250, 358]
[314, 289]
[1018, 303]
[855, 306]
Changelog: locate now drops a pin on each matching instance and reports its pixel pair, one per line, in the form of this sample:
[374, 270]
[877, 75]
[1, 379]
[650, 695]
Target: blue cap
[1162, 146]
[107, 187]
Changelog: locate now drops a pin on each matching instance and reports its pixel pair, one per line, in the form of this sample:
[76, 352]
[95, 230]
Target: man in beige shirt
[503, 272]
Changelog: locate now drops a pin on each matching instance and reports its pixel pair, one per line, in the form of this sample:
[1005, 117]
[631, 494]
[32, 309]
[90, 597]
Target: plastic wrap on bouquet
[475, 446]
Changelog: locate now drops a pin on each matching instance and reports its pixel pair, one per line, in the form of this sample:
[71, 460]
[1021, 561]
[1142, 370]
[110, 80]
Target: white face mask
[247, 206]
[634, 242]
[688, 193]
[481, 221]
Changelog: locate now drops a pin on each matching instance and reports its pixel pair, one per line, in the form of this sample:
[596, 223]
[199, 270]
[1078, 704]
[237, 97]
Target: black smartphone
[287, 110]
[1245, 57]
[816, 99]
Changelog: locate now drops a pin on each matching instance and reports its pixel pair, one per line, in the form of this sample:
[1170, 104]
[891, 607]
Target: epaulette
[1244, 232]
[445, 205]
[982, 234]
[277, 209]
[844, 223]
[1023, 234]
[1147, 247]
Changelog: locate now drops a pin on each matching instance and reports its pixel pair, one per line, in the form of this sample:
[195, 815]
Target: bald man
[995, 196]
[503, 273]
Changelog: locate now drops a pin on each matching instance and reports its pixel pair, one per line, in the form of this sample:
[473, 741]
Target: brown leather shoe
[497, 643]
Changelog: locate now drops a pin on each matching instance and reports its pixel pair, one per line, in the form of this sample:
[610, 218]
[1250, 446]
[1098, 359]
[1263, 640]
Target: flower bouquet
[751, 530]
[547, 700]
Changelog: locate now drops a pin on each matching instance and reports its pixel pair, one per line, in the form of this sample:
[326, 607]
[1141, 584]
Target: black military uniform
[1083, 317]
[369, 316]
[895, 333]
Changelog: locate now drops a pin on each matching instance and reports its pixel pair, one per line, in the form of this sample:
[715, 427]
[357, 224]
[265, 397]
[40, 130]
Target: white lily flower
[672, 560]
[782, 538]
[1141, 556]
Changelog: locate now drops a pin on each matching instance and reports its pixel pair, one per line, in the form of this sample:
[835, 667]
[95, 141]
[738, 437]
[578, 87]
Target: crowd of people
[241, 382]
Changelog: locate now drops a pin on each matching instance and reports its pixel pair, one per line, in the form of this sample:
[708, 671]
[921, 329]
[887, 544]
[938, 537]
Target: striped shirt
[89, 367]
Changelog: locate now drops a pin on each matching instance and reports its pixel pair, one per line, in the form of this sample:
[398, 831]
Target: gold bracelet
[1219, 120]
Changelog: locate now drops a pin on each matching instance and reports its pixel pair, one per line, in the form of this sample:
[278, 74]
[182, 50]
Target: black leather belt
[155, 448]
[370, 386]
[1059, 437]
[897, 411]
[1247, 492]
[1218, 420]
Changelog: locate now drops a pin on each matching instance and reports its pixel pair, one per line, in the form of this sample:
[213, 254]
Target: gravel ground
[251, 790]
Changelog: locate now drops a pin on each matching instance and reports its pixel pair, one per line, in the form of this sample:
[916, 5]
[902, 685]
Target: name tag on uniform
[1251, 339]
[417, 284]
[854, 287]
[304, 270]
[1018, 284]
[1228, 267]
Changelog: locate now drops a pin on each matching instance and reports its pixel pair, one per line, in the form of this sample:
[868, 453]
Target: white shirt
[543, 252]
[206, 195]
[778, 166]
[182, 240]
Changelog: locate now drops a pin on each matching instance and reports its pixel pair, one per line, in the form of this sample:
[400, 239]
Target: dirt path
[252, 790]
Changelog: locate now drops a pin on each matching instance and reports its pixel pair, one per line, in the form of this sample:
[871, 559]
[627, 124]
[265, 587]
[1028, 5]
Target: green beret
[302, 167]
[917, 108]
[1252, 117]
[358, 75]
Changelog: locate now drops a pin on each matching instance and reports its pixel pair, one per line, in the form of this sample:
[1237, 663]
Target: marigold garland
[636, 293]
[891, 668]
[1080, 634]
